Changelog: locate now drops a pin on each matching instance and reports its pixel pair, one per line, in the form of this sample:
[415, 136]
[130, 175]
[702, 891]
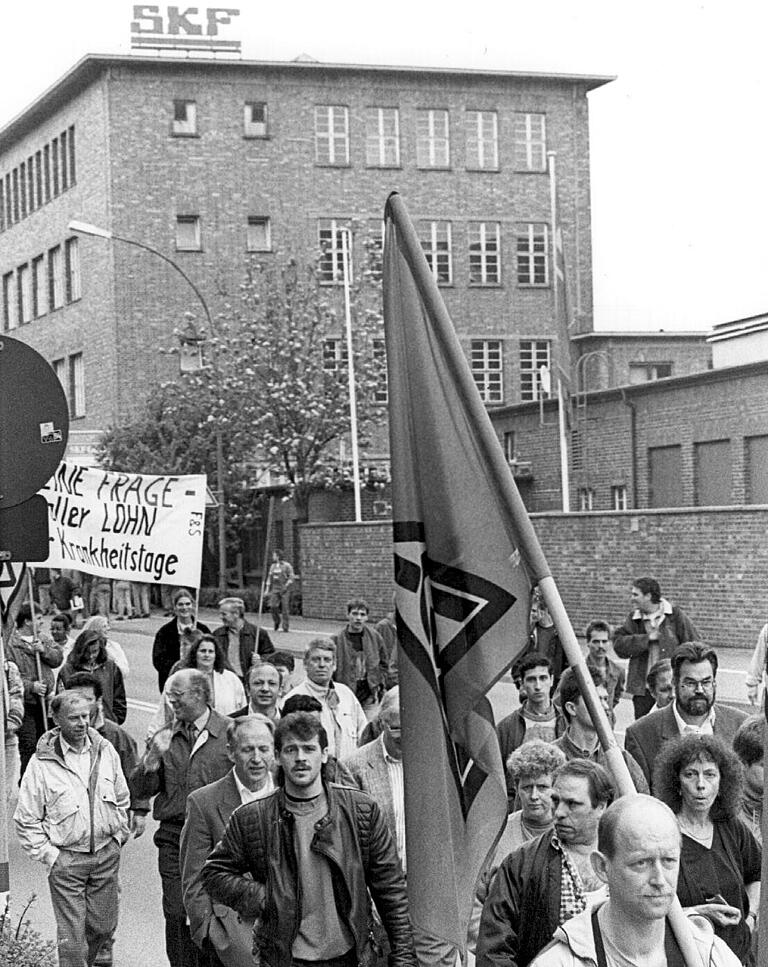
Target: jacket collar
[664, 605]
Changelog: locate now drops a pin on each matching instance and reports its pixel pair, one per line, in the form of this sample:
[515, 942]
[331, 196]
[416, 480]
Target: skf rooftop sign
[183, 28]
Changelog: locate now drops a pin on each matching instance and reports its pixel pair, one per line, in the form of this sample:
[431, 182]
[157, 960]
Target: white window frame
[258, 227]
[73, 287]
[530, 142]
[619, 497]
[76, 385]
[335, 356]
[433, 148]
[534, 353]
[586, 497]
[188, 233]
[10, 316]
[55, 277]
[62, 374]
[331, 246]
[252, 128]
[532, 248]
[435, 237]
[487, 364]
[186, 126]
[382, 137]
[24, 282]
[332, 135]
[482, 130]
[484, 253]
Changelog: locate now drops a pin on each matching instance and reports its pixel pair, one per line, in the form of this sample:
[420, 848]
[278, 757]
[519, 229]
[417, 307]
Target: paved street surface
[140, 935]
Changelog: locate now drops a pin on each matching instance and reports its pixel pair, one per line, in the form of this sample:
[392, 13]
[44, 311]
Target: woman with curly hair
[700, 779]
[89, 654]
[207, 655]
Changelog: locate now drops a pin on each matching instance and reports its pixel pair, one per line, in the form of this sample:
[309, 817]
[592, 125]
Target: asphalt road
[140, 934]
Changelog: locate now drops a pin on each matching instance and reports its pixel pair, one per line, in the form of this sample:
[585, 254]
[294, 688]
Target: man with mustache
[694, 709]
[638, 859]
[314, 851]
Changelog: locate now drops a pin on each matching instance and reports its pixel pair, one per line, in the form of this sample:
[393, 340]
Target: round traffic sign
[34, 421]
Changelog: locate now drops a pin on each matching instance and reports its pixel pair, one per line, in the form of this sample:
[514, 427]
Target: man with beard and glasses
[694, 709]
[550, 879]
[304, 859]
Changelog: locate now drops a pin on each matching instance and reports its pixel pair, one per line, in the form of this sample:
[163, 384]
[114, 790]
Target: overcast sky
[679, 197]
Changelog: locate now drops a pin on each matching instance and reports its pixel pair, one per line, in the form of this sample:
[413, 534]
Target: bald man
[638, 858]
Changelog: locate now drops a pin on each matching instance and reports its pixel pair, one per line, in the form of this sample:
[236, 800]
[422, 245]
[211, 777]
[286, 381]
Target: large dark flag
[465, 556]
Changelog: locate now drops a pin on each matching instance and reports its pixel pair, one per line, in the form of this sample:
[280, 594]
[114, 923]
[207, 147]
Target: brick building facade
[212, 162]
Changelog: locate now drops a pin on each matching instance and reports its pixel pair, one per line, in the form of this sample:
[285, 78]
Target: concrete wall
[712, 562]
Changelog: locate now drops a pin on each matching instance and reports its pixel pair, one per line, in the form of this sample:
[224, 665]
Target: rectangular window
[8, 201]
[381, 393]
[665, 476]
[2, 205]
[60, 369]
[534, 354]
[257, 234]
[646, 372]
[72, 266]
[23, 189]
[55, 166]
[484, 251]
[39, 178]
[9, 302]
[619, 499]
[32, 200]
[15, 195]
[47, 172]
[432, 141]
[435, 238]
[335, 356]
[184, 124]
[374, 249]
[331, 135]
[756, 469]
[188, 236]
[55, 278]
[508, 443]
[255, 119]
[330, 236]
[72, 167]
[532, 261]
[482, 130]
[530, 152]
[382, 137]
[712, 462]
[64, 152]
[586, 498]
[24, 282]
[76, 385]
[486, 361]
[38, 286]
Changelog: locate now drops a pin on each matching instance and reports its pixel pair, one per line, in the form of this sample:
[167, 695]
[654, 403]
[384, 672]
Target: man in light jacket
[72, 815]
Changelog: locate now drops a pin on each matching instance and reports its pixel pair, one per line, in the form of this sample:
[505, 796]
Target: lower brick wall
[712, 562]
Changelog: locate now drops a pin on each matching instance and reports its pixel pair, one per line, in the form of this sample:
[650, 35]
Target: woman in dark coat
[700, 779]
[174, 639]
[89, 654]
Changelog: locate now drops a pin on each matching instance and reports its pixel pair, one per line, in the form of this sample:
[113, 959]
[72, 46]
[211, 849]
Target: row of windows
[586, 496]
[72, 378]
[45, 283]
[486, 359]
[382, 134]
[335, 358]
[484, 247]
[43, 176]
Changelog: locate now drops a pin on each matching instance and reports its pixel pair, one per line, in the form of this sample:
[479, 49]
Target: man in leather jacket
[313, 850]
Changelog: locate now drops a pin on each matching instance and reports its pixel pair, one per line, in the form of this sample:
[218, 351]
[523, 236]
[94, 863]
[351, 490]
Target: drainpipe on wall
[632, 441]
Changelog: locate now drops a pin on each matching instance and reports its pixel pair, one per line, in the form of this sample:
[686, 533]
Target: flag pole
[565, 483]
[351, 378]
[528, 546]
[38, 667]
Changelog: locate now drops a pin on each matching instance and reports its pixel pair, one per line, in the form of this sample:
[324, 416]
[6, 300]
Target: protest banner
[128, 526]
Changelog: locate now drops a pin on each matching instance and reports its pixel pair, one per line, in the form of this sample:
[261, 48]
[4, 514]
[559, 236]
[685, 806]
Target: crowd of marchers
[279, 805]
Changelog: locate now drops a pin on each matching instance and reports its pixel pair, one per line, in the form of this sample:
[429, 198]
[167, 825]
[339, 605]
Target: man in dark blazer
[172, 640]
[220, 933]
[239, 639]
[694, 709]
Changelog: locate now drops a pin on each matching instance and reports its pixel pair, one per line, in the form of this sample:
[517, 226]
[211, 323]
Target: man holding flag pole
[465, 557]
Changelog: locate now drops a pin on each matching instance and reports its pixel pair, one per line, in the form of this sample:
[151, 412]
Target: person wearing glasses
[694, 708]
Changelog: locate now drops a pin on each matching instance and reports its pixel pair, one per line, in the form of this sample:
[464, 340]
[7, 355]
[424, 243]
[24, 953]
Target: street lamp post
[83, 228]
